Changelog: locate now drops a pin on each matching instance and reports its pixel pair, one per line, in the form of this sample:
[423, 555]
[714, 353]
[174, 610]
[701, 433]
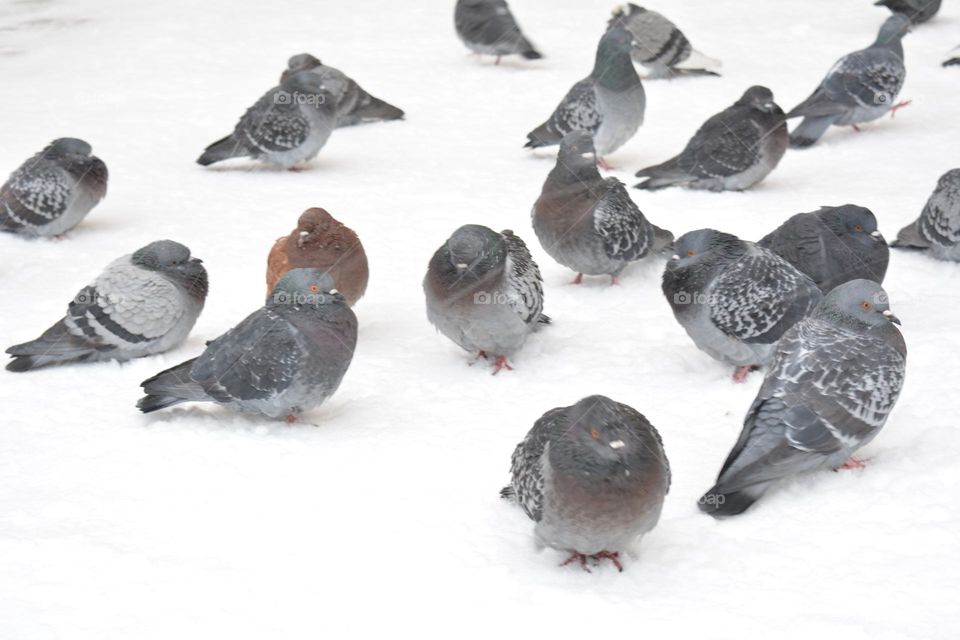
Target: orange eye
[866, 306]
[314, 288]
[691, 252]
[858, 228]
[594, 433]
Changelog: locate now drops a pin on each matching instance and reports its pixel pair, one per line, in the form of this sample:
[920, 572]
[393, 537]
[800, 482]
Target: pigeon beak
[876, 235]
[674, 257]
[461, 267]
[302, 238]
[617, 444]
[892, 318]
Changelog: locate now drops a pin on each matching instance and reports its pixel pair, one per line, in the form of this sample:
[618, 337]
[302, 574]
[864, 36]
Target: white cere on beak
[334, 291]
[617, 444]
[588, 155]
[876, 234]
[461, 265]
[674, 257]
[888, 313]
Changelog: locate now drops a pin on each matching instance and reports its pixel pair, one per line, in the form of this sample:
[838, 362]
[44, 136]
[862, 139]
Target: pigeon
[283, 359]
[734, 298]
[916, 10]
[353, 104]
[287, 126]
[732, 151]
[322, 242]
[593, 476]
[860, 87]
[937, 230]
[609, 103]
[143, 303]
[488, 28]
[953, 58]
[484, 292]
[660, 46]
[835, 378]
[588, 223]
[832, 245]
[53, 191]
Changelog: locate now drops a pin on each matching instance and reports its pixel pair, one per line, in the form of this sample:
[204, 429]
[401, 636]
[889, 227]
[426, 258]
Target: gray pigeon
[488, 28]
[590, 224]
[609, 103]
[732, 151]
[484, 292]
[953, 57]
[937, 230]
[54, 190]
[832, 245]
[835, 378]
[860, 87]
[593, 477]
[916, 10]
[733, 298]
[287, 126]
[660, 46]
[143, 303]
[283, 359]
[354, 105]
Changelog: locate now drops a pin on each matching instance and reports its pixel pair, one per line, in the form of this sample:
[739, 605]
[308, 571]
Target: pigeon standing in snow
[860, 87]
[353, 104]
[54, 190]
[660, 46]
[937, 230]
[287, 126]
[320, 241]
[593, 476]
[588, 223]
[832, 245]
[835, 378]
[733, 298]
[488, 28]
[283, 359]
[143, 303]
[917, 10]
[484, 292]
[733, 150]
[609, 103]
[953, 58]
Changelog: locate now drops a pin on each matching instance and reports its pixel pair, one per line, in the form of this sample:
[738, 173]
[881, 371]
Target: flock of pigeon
[805, 302]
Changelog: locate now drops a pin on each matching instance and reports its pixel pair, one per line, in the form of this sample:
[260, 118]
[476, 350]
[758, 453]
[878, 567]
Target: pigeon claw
[853, 463]
[899, 105]
[603, 164]
[740, 373]
[614, 281]
[501, 363]
[290, 419]
[612, 556]
[578, 279]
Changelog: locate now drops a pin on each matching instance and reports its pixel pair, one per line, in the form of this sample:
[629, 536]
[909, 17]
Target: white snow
[198, 523]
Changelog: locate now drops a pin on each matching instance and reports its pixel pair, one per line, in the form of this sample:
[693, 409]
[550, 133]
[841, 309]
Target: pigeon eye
[857, 228]
[866, 306]
[314, 288]
[691, 252]
[594, 433]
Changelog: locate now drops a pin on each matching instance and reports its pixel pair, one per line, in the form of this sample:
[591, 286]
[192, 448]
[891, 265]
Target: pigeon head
[951, 179]
[173, 260]
[627, 10]
[615, 42]
[474, 249]
[303, 62]
[760, 98]
[576, 149]
[313, 287]
[893, 29]
[599, 445]
[613, 67]
[852, 222]
[857, 304]
[315, 225]
[68, 147]
[705, 246]
[308, 89]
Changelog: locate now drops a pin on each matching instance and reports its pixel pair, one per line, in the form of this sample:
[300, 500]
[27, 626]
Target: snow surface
[198, 523]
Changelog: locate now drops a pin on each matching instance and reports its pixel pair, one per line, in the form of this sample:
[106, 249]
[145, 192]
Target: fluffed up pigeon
[937, 230]
[54, 190]
[287, 126]
[832, 245]
[733, 298]
[588, 223]
[488, 28]
[733, 150]
[609, 103]
[953, 57]
[143, 303]
[860, 87]
[917, 10]
[660, 46]
[835, 378]
[353, 104]
[484, 292]
[285, 358]
[593, 476]
[322, 242]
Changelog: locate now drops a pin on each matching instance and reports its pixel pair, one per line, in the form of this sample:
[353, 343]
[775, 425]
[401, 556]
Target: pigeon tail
[508, 493]
[698, 64]
[170, 387]
[809, 131]
[377, 109]
[542, 136]
[910, 238]
[55, 346]
[660, 176]
[717, 503]
[222, 149]
[532, 54]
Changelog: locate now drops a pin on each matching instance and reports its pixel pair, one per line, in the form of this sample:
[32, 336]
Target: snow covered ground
[198, 523]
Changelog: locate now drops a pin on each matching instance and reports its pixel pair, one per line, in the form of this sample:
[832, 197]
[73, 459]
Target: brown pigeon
[322, 242]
